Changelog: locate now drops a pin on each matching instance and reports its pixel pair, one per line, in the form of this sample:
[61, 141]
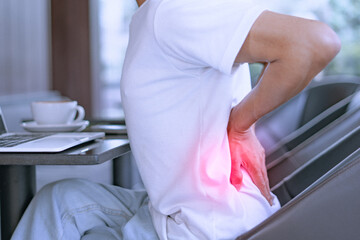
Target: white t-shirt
[178, 86]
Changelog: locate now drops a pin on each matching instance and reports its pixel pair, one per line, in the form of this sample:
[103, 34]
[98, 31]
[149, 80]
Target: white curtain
[24, 46]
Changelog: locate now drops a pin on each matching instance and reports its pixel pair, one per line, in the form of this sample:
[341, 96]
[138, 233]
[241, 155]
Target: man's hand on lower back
[246, 151]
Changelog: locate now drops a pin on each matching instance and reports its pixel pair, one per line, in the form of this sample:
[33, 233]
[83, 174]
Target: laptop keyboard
[16, 139]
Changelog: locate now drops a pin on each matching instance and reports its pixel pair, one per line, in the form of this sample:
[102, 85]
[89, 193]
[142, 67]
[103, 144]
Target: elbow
[334, 43]
[326, 45]
[312, 50]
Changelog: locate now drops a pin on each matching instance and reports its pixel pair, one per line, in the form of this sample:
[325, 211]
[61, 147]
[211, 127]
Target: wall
[71, 58]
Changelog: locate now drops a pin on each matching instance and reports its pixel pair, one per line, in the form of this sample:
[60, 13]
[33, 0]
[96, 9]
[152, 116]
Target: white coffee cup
[57, 112]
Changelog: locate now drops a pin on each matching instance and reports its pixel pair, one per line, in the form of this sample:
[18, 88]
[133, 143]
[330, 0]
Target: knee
[62, 191]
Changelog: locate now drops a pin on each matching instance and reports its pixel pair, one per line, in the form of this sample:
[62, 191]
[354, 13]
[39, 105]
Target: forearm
[278, 83]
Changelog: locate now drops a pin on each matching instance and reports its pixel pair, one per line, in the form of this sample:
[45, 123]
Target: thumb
[236, 177]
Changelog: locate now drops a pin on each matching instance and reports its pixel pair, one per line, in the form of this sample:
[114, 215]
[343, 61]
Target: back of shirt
[178, 86]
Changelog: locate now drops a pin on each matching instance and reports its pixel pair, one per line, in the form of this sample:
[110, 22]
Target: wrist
[241, 119]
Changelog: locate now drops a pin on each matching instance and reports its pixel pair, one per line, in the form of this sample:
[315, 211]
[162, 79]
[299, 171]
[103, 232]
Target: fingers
[265, 179]
[266, 189]
[258, 173]
[246, 151]
[258, 176]
[236, 179]
[262, 183]
[236, 173]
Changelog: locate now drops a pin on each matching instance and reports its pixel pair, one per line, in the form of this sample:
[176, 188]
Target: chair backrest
[290, 161]
[279, 123]
[355, 103]
[307, 174]
[329, 209]
[304, 132]
[315, 99]
[331, 89]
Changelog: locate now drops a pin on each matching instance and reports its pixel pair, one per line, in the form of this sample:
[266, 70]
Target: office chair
[303, 108]
[290, 161]
[304, 176]
[328, 209]
[307, 130]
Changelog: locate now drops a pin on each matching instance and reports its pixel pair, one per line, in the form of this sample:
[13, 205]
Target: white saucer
[34, 127]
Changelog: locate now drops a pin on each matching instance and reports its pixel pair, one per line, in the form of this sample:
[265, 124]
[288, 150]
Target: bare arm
[293, 51]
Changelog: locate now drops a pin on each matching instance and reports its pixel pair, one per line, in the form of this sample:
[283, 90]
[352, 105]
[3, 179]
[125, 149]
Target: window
[113, 17]
[112, 22]
[342, 16]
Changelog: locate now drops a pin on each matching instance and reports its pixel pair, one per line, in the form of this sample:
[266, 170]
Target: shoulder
[180, 11]
[200, 15]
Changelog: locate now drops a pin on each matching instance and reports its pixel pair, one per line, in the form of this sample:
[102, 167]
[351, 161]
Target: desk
[17, 174]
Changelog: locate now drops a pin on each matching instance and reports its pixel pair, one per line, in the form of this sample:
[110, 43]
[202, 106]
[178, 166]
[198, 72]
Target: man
[190, 114]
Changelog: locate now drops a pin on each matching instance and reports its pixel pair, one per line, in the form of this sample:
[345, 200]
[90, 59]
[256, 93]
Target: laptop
[42, 142]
